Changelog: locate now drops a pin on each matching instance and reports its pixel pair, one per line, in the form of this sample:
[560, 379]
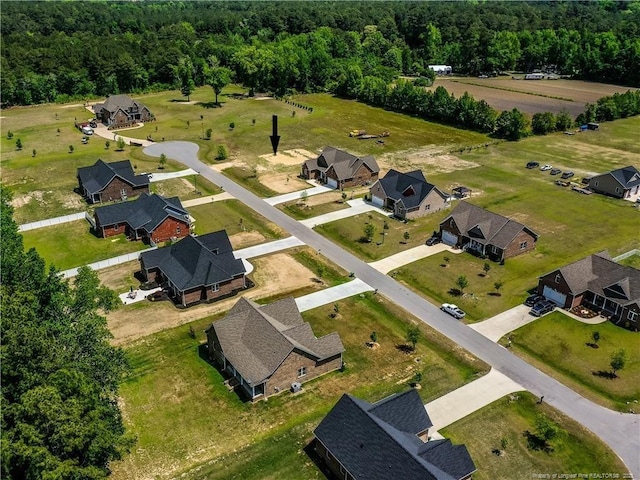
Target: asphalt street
[621, 431]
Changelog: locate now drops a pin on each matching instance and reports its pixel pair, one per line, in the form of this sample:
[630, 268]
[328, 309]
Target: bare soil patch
[283, 182]
[433, 159]
[323, 198]
[289, 157]
[246, 239]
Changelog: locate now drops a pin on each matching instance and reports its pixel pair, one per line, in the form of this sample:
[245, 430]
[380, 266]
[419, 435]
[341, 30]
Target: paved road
[620, 431]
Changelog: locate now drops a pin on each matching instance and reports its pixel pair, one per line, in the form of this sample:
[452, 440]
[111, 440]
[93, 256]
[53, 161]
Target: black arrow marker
[275, 138]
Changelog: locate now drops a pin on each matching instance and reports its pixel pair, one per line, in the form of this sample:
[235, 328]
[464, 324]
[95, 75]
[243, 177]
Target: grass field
[558, 344]
[577, 451]
[632, 261]
[184, 417]
[72, 245]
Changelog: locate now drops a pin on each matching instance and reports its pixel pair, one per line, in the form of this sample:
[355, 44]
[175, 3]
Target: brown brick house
[121, 111]
[267, 348]
[339, 169]
[106, 182]
[486, 233]
[598, 283]
[408, 195]
[387, 440]
[196, 269]
[151, 218]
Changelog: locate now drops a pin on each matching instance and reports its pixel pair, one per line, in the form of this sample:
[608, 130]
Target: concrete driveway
[288, 197]
[409, 256]
[331, 295]
[267, 248]
[356, 205]
[497, 327]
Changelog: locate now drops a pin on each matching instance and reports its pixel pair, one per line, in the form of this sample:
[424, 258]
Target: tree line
[63, 50]
[60, 375]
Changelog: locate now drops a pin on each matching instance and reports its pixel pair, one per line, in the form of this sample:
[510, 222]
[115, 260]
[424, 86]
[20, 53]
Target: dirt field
[289, 157]
[274, 274]
[283, 182]
[529, 95]
[430, 160]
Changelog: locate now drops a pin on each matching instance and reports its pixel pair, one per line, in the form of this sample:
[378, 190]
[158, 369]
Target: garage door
[332, 183]
[377, 201]
[554, 295]
[449, 238]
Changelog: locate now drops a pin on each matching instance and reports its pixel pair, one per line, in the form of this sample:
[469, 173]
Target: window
[117, 227]
[596, 183]
[632, 315]
[617, 189]
[302, 371]
[427, 206]
[523, 245]
[123, 192]
[215, 287]
[178, 230]
[558, 278]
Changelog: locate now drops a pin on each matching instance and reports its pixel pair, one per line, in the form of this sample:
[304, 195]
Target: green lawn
[234, 217]
[578, 451]
[558, 344]
[183, 416]
[248, 178]
[185, 187]
[72, 245]
[316, 205]
[632, 261]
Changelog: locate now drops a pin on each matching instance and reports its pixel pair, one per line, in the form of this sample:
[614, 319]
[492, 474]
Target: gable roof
[96, 177]
[257, 339]
[343, 163]
[196, 261]
[410, 188]
[144, 213]
[115, 102]
[599, 274]
[484, 226]
[627, 176]
[378, 441]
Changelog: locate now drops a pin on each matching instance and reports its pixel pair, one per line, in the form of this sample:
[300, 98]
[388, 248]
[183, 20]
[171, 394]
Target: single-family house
[151, 218]
[195, 269]
[619, 183]
[121, 111]
[387, 440]
[105, 182]
[598, 283]
[265, 349]
[486, 233]
[340, 169]
[408, 195]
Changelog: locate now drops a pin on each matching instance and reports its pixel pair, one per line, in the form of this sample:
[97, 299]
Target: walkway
[208, 199]
[409, 256]
[51, 221]
[267, 248]
[332, 294]
[357, 205]
[110, 262]
[465, 400]
[160, 176]
[288, 197]
[113, 135]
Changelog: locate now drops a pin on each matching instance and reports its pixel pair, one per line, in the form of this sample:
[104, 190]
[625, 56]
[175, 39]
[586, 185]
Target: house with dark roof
[267, 348]
[387, 440]
[620, 183]
[151, 218]
[195, 269]
[340, 169]
[486, 233]
[105, 182]
[408, 195]
[121, 111]
[598, 283]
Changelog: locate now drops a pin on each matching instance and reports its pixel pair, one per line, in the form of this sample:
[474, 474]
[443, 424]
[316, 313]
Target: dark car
[533, 165]
[433, 240]
[542, 307]
[567, 174]
[533, 299]
[555, 171]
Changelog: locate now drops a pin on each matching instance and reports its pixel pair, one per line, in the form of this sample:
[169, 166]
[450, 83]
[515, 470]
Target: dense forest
[55, 51]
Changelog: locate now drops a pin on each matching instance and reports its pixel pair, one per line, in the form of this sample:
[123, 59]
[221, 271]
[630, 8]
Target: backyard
[173, 388]
[577, 451]
[559, 345]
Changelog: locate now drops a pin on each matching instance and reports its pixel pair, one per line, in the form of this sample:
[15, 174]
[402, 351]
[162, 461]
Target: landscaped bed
[561, 346]
[510, 418]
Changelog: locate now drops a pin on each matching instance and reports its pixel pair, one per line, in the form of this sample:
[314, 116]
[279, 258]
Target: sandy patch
[289, 157]
[273, 274]
[73, 105]
[22, 200]
[263, 98]
[321, 199]
[283, 182]
[246, 239]
[431, 160]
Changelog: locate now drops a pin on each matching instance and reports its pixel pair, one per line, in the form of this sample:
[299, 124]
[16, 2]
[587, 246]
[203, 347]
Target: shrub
[222, 153]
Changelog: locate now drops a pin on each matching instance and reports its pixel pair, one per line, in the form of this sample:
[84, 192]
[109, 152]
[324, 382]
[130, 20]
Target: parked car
[93, 124]
[542, 307]
[433, 240]
[546, 167]
[555, 171]
[452, 310]
[567, 174]
[87, 130]
[531, 165]
[533, 299]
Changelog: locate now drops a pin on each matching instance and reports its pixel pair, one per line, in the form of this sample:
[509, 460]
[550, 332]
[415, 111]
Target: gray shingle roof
[484, 226]
[114, 102]
[601, 275]
[96, 177]
[344, 163]
[193, 262]
[257, 339]
[378, 441]
[627, 177]
[410, 188]
[144, 213]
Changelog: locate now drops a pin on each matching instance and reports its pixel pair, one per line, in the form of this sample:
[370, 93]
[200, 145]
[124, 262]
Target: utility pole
[202, 124]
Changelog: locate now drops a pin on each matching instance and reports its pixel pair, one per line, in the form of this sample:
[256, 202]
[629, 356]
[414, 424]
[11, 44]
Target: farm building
[441, 69]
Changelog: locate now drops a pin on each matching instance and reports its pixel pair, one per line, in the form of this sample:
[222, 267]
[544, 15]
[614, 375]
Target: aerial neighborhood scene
[320, 240]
